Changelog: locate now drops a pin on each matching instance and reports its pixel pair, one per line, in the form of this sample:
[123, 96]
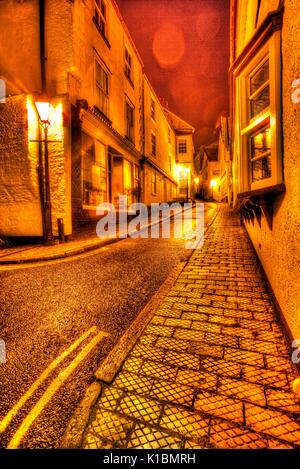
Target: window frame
[103, 18]
[86, 206]
[105, 93]
[153, 182]
[153, 141]
[152, 108]
[271, 115]
[131, 134]
[180, 142]
[128, 65]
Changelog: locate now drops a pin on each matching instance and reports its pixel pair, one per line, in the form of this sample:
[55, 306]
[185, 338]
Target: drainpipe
[42, 45]
[43, 90]
[143, 176]
[43, 169]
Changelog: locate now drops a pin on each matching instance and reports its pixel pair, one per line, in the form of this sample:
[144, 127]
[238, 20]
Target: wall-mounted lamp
[44, 110]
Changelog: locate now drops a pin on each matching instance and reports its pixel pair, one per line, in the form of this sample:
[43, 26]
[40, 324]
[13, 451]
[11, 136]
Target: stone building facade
[159, 165]
[185, 153]
[101, 137]
[265, 62]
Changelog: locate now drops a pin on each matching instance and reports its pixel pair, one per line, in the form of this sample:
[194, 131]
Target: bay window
[258, 118]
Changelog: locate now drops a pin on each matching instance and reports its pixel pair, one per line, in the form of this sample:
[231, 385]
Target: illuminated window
[258, 102]
[128, 65]
[152, 108]
[127, 179]
[183, 182]
[101, 95]
[153, 144]
[153, 183]
[129, 119]
[94, 171]
[260, 154]
[100, 16]
[259, 89]
[182, 145]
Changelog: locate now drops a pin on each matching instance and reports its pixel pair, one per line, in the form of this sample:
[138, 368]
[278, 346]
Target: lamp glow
[213, 183]
[43, 109]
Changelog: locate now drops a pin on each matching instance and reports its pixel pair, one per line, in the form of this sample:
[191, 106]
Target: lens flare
[168, 45]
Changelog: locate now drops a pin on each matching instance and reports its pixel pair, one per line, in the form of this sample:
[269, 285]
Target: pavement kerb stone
[74, 252]
[74, 433]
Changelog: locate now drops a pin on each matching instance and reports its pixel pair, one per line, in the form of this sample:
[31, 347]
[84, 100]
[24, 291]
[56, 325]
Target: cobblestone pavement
[212, 369]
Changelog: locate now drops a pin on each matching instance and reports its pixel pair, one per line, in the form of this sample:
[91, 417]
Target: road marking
[11, 414]
[52, 389]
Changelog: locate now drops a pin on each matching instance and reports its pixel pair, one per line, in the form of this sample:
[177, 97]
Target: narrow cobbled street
[212, 369]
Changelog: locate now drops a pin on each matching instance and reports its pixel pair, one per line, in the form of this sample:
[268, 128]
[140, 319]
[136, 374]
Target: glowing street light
[213, 183]
[43, 109]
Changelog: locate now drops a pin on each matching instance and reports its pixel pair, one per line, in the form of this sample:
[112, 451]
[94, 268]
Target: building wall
[279, 248]
[73, 46]
[88, 46]
[185, 162]
[247, 11]
[20, 208]
[165, 150]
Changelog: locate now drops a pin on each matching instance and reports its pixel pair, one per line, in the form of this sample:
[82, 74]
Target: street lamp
[43, 107]
[213, 184]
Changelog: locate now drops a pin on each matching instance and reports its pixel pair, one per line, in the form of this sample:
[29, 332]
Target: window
[153, 144]
[183, 182]
[259, 110]
[94, 171]
[259, 91]
[137, 181]
[127, 179]
[100, 15]
[129, 119]
[182, 145]
[153, 183]
[170, 163]
[260, 154]
[169, 135]
[101, 98]
[128, 65]
[152, 108]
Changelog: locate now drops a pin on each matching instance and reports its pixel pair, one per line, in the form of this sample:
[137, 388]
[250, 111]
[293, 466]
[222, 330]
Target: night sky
[185, 48]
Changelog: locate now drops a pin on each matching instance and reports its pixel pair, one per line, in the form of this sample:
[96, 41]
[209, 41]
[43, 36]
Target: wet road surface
[44, 310]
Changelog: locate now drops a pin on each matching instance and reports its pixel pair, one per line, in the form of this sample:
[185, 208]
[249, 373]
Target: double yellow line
[53, 387]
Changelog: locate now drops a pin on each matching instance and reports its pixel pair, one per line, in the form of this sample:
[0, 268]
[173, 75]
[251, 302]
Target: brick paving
[212, 369]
